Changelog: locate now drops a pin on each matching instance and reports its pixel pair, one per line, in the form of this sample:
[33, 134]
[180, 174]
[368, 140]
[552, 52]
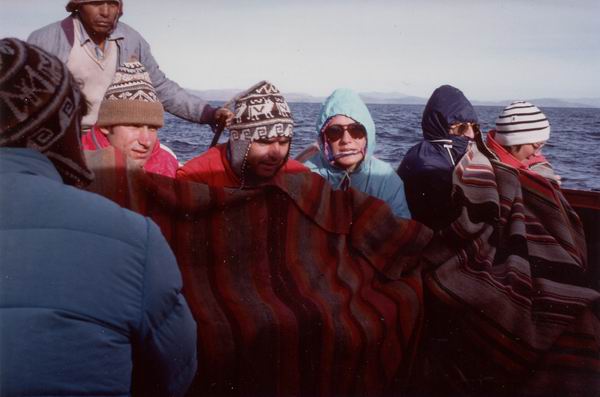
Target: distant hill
[548, 103]
[401, 99]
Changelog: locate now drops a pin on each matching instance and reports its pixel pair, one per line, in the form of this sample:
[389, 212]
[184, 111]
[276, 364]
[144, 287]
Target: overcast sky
[492, 50]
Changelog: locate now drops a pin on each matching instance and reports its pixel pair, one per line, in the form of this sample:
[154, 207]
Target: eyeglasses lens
[335, 132]
[464, 127]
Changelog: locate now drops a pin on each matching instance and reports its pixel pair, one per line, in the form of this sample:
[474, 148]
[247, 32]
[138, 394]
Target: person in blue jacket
[90, 293]
[346, 139]
[449, 124]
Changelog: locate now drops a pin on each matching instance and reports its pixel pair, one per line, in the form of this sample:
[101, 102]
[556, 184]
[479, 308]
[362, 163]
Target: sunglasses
[462, 128]
[335, 132]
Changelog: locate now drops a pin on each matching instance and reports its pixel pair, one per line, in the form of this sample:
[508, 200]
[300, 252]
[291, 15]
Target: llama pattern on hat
[261, 113]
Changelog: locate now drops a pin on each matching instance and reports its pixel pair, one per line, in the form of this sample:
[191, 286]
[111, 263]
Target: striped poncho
[297, 289]
[510, 311]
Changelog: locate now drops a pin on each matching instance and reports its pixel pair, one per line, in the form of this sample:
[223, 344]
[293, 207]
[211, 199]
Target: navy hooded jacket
[427, 167]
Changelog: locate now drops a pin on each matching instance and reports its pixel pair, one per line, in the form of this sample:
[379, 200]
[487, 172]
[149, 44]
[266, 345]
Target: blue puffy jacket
[90, 293]
[373, 176]
[428, 166]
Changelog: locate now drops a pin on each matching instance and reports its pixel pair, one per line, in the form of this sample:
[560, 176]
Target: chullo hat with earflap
[261, 112]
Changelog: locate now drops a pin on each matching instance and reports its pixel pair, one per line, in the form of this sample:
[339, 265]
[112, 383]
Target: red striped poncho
[510, 309]
[297, 289]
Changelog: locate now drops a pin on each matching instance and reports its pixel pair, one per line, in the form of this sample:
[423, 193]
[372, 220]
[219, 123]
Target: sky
[490, 49]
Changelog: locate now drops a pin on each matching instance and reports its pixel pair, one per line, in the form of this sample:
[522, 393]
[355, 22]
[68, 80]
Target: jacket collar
[27, 161]
[68, 26]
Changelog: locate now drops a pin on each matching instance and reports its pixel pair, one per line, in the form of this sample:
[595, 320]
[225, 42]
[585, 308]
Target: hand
[223, 116]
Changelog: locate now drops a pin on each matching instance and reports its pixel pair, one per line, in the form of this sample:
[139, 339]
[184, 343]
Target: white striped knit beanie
[131, 99]
[521, 123]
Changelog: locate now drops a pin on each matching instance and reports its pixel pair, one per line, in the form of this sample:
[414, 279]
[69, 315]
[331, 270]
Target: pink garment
[160, 162]
[536, 165]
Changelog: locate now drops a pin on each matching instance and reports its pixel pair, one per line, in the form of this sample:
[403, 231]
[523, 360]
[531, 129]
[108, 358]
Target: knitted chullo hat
[73, 4]
[261, 112]
[521, 123]
[40, 108]
[131, 99]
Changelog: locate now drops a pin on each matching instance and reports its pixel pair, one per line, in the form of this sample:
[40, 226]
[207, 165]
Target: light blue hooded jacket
[373, 176]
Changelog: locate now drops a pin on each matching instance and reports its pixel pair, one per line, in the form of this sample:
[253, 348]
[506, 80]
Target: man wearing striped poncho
[298, 290]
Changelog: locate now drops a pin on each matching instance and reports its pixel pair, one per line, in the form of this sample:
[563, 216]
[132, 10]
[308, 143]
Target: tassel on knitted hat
[131, 99]
[521, 123]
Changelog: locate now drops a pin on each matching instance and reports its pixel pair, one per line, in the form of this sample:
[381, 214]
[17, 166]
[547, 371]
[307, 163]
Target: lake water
[573, 148]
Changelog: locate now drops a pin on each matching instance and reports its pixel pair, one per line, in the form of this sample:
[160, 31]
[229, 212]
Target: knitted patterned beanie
[521, 123]
[261, 112]
[40, 108]
[131, 99]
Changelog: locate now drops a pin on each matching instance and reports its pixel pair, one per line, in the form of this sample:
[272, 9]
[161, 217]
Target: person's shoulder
[127, 32]
[294, 166]
[44, 32]
[212, 154]
[316, 163]
[205, 163]
[104, 216]
[382, 166]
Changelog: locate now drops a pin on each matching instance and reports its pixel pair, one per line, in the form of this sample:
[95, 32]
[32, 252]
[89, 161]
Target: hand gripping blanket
[298, 290]
[511, 311]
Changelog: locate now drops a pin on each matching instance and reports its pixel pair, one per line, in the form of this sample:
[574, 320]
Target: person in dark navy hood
[449, 124]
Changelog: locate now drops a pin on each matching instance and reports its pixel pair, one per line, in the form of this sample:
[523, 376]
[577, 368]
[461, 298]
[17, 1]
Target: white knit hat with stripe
[521, 123]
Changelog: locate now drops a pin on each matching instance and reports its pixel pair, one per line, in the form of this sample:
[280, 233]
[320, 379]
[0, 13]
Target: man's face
[266, 156]
[136, 141]
[99, 17]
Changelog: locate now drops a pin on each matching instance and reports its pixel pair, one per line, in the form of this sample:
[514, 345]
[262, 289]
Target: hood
[347, 103]
[446, 106]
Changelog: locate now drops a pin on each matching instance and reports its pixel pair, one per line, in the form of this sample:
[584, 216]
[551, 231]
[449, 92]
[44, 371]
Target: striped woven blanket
[298, 290]
[510, 311]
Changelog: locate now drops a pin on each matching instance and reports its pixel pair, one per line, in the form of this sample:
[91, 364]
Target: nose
[144, 136]
[103, 10]
[346, 137]
[470, 132]
[277, 150]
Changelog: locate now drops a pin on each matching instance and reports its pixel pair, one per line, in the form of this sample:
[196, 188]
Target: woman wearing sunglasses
[346, 138]
[449, 123]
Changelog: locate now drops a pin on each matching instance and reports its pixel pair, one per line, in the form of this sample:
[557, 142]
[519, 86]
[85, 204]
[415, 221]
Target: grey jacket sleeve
[165, 358]
[175, 99]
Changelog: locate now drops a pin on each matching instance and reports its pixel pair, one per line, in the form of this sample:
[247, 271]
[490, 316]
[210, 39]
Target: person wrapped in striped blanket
[510, 307]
